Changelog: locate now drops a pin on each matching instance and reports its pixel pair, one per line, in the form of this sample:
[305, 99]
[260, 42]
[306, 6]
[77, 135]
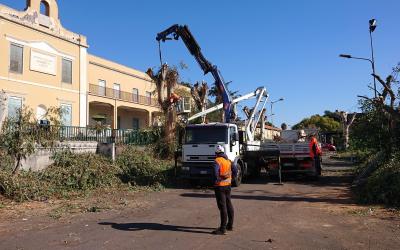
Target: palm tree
[166, 79]
[200, 94]
[214, 92]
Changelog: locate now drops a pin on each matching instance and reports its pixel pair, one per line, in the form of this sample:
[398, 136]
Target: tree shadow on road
[156, 227]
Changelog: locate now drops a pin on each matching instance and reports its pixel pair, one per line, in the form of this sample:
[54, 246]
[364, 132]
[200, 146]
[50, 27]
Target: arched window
[44, 8]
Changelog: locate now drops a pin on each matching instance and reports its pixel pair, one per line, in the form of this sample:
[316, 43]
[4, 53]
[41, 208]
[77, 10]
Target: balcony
[122, 95]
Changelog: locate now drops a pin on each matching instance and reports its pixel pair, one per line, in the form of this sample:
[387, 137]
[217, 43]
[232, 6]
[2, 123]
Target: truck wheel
[238, 180]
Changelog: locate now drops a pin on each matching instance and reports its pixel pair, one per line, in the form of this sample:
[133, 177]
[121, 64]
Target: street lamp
[364, 59]
[272, 104]
[372, 27]
[353, 57]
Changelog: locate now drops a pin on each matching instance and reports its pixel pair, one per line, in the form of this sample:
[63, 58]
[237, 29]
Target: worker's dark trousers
[317, 162]
[223, 195]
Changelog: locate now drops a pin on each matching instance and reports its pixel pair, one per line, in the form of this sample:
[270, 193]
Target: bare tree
[200, 96]
[347, 121]
[388, 102]
[166, 79]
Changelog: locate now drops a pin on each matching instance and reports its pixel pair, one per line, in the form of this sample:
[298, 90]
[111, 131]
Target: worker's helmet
[219, 149]
[302, 133]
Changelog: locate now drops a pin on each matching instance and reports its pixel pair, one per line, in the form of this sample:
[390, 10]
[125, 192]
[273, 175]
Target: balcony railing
[122, 95]
[42, 133]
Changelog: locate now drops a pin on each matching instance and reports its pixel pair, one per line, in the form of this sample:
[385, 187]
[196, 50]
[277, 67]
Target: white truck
[295, 155]
[200, 140]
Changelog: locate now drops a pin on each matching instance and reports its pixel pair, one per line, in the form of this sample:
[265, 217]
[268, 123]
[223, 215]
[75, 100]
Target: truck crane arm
[261, 96]
[191, 44]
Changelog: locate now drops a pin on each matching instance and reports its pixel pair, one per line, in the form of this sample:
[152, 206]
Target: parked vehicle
[328, 147]
[295, 155]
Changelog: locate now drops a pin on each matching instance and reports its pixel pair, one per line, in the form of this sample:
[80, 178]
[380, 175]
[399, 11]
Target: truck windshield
[198, 135]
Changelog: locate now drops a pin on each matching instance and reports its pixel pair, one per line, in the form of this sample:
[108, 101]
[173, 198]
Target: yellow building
[44, 65]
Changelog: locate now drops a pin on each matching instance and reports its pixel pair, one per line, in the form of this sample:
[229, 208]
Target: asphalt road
[298, 215]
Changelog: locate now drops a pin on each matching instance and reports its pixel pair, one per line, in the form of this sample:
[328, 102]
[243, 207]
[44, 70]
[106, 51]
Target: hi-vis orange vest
[225, 172]
[313, 142]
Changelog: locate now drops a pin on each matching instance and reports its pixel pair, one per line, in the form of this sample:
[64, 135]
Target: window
[206, 135]
[148, 97]
[14, 106]
[135, 123]
[102, 88]
[44, 8]
[16, 58]
[66, 116]
[135, 95]
[41, 112]
[66, 71]
[117, 92]
[232, 133]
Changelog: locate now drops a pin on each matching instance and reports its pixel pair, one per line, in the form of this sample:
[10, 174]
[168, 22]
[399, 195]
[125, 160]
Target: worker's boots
[219, 231]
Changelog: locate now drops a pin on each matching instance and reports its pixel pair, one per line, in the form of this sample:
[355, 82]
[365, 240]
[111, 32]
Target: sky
[291, 47]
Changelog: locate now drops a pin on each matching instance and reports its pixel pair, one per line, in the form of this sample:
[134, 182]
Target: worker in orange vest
[224, 170]
[174, 98]
[316, 153]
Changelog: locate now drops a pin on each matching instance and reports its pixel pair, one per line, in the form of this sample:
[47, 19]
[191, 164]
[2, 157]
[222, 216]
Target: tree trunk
[346, 137]
[204, 117]
[170, 125]
[17, 166]
[346, 122]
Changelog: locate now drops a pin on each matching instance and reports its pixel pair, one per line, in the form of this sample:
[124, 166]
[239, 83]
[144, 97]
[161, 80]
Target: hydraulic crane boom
[191, 44]
[260, 94]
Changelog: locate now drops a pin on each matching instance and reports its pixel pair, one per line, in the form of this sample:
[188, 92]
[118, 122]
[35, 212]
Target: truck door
[233, 147]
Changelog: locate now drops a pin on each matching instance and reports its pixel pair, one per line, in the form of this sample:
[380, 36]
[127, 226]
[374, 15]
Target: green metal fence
[71, 133]
[137, 137]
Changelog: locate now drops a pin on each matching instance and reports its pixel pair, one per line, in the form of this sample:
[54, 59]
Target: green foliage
[75, 174]
[70, 174]
[23, 187]
[164, 149]
[6, 162]
[369, 131]
[80, 172]
[334, 115]
[324, 123]
[383, 186]
[215, 93]
[21, 134]
[355, 156]
[140, 167]
[16, 137]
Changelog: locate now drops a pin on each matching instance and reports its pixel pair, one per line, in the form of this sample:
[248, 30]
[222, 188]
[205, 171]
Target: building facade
[44, 65]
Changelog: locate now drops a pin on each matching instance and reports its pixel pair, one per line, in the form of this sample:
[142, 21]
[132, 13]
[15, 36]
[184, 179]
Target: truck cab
[198, 149]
